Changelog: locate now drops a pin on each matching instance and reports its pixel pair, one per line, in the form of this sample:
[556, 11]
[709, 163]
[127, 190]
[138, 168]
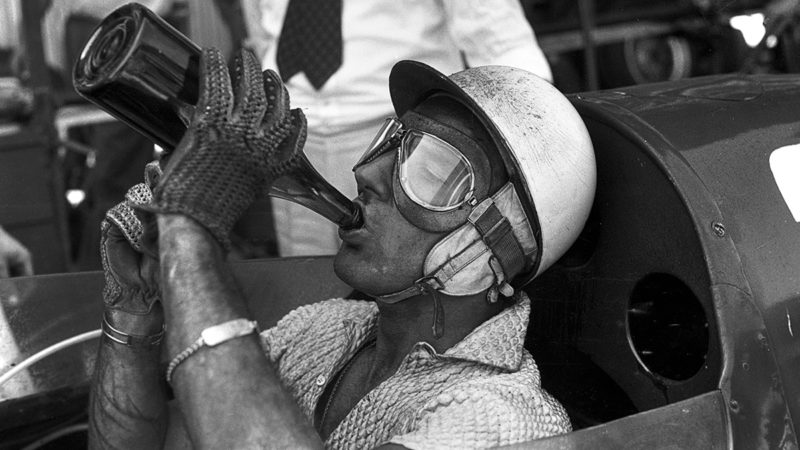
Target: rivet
[719, 229]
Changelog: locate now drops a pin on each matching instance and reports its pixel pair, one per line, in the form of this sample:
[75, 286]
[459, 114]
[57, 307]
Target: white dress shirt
[378, 33]
[346, 113]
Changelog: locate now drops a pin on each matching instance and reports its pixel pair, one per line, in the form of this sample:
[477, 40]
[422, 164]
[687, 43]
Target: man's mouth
[349, 232]
[356, 220]
[351, 235]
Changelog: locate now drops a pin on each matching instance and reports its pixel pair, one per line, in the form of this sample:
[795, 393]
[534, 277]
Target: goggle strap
[421, 286]
[375, 153]
[496, 232]
[390, 133]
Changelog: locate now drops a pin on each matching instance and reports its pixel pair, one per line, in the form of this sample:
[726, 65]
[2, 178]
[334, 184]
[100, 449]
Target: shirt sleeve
[495, 33]
[279, 338]
[306, 325]
[486, 415]
[263, 21]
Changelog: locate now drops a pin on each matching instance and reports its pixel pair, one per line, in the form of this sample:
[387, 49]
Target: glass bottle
[145, 73]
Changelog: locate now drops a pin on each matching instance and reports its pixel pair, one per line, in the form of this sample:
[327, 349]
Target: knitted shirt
[483, 392]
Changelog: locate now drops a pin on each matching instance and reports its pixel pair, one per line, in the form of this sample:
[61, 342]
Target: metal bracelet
[132, 340]
[213, 336]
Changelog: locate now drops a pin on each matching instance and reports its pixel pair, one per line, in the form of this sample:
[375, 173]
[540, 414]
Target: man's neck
[401, 325]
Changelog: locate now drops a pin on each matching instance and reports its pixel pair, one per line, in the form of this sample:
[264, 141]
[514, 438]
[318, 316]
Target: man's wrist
[132, 340]
[136, 324]
[180, 229]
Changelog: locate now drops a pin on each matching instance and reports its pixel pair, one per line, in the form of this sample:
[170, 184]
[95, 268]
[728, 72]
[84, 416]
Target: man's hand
[130, 264]
[242, 137]
[127, 407]
[15, 259]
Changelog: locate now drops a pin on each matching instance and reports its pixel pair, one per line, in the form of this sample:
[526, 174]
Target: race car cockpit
[670, 323]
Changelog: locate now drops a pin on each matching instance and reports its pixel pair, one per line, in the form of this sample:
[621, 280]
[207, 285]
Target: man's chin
[343, 265]
[351, 269]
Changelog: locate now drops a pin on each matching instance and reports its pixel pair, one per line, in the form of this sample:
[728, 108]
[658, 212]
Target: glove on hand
[131, 270]
[239, 141]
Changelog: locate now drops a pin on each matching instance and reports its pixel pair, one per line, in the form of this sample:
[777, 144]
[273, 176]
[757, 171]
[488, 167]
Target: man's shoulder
[324, 315]
[523, 383]
[331, 309]
[497, 409]
[517, 394]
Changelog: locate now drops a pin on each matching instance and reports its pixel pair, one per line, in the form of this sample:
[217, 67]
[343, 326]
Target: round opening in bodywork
[667, 327]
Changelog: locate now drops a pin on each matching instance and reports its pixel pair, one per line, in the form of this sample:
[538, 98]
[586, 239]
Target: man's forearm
[229, 394]
[127, 408]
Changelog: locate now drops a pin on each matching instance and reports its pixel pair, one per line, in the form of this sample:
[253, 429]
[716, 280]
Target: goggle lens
[433, 173]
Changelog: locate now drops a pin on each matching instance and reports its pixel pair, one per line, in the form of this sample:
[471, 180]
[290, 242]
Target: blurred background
[56, 181]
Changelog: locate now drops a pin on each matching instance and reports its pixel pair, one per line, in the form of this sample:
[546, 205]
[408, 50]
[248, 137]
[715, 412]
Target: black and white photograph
[400, 224]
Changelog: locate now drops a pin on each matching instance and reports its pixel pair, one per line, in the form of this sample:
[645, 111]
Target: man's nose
[376, 176]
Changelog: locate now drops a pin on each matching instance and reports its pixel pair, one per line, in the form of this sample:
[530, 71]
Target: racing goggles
[431, 172]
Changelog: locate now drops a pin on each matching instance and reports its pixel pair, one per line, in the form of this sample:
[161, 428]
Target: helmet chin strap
[496, 236]
[422, 286]
[433, 284]
[436, 281]
[425, 285]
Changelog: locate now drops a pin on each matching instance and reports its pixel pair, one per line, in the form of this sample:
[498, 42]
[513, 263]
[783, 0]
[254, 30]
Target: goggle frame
[393, 134]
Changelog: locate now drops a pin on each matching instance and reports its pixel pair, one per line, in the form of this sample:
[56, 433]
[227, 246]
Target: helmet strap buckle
[438, 317]
[423, 285]
[501, 284]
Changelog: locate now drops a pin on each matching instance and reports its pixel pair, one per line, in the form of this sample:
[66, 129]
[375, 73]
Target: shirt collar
[498, 342]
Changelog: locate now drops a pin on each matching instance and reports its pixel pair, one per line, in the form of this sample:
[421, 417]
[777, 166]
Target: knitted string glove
[240, 139]
[130, 268]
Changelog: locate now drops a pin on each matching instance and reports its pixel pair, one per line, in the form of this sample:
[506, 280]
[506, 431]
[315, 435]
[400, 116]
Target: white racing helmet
[549, 158]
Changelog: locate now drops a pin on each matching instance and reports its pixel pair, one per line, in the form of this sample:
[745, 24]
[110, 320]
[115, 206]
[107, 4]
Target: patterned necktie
[311, 40]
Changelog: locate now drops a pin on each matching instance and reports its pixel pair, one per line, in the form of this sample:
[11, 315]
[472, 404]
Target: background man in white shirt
[344, 112]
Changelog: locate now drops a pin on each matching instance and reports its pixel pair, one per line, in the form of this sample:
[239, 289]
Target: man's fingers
[148, 242]
[149, 272]
[123, 260]
[139, 194]
[130, 266]
[297, 140]
[215, 99]
[250, 101]
[125, 223]
[277, 99]
[152, 173]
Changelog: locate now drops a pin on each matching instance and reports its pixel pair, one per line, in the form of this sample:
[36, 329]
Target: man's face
[387, 253]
